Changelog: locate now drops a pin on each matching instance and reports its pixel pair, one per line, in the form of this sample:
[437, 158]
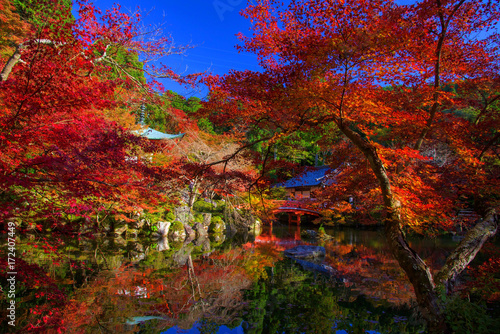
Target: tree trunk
[415, 268]
[193, 189]
[11, 62]
[419, 275]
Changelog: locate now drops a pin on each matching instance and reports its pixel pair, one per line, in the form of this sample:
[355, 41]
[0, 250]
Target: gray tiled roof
[157, 135]
[311, 176]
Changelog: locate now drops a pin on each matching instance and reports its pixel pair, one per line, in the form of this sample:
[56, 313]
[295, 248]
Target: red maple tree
[413, 91]
[59, 149]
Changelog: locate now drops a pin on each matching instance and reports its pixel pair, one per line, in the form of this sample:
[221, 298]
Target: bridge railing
[302, 204]
[297, 207]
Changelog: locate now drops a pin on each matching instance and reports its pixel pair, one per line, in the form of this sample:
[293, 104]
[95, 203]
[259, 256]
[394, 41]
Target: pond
[241, 284]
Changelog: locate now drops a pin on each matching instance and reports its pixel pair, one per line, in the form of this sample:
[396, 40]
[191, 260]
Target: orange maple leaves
[389, 73]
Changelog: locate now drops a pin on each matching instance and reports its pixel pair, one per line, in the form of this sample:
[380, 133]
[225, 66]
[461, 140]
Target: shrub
[216, 219]
[198, 218]
[217, 225]
[170, 216]
[176, 226]
[467, 317]
[202, 206]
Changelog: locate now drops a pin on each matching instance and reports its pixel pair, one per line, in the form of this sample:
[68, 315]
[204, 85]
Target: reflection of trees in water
[292, 300]
[137, 281]
[362, 258]
[371, 268]
[209, 289]
[374, 273]
[213, 290]
[100, 284]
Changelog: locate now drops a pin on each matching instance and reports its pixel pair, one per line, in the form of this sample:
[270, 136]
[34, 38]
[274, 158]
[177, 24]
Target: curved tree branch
[467, 249]
[16, 56]
[415, 268]
[11, 62]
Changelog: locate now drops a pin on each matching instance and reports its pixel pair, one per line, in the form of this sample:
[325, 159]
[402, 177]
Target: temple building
[311, 179]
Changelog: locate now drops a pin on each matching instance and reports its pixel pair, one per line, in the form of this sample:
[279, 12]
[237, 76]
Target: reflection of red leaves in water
[375, 274]
[112, 297]
[263, 255]
[33, 282]
[180, 297]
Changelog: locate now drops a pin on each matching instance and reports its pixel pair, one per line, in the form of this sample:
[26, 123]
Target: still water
[241, 284]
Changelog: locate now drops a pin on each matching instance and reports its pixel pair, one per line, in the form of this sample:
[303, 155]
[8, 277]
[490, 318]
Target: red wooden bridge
[296, 209]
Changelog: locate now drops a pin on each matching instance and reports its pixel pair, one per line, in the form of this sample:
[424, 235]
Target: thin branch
[238, 151]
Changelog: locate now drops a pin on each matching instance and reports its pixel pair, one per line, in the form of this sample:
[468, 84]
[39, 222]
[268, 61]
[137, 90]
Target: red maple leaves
[57, 145]
[403, 84]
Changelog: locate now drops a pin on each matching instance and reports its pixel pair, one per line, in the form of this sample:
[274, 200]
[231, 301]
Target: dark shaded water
[242, 284]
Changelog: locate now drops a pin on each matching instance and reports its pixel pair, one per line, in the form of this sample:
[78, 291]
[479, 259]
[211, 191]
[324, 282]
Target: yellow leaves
[162, 159]
[123, 117]
[277, 137]
[12, 29]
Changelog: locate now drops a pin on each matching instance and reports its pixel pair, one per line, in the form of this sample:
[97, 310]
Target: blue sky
[208, 25]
